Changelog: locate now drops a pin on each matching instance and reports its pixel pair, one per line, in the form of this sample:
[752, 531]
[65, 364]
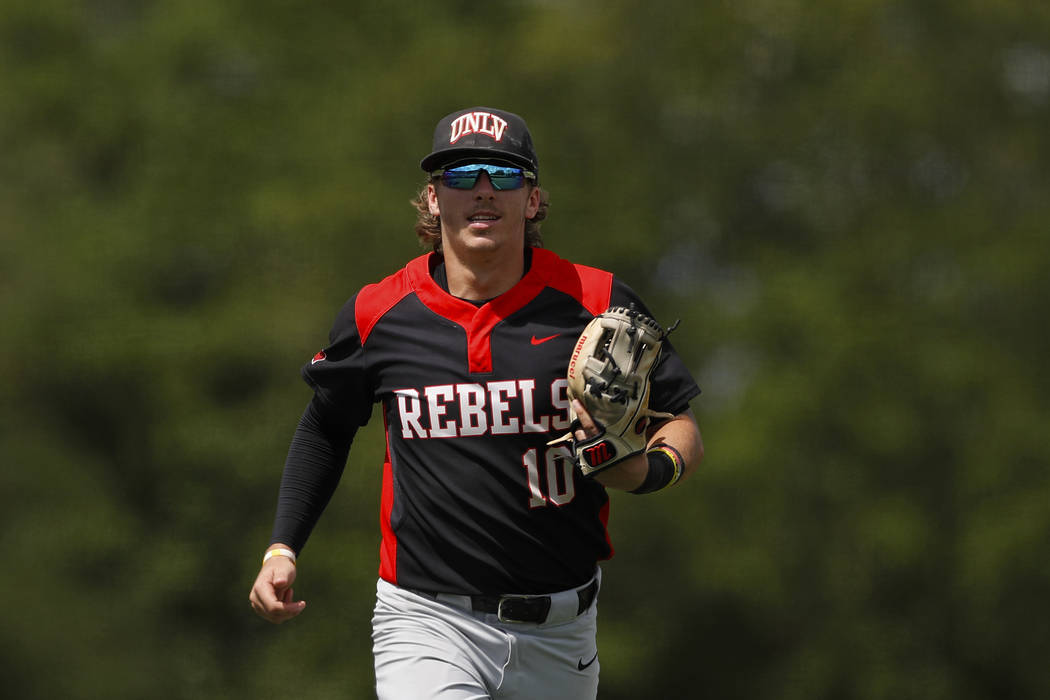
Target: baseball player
[492, 527]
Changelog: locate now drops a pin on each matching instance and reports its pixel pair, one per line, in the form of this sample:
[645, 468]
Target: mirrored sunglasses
[502, 177]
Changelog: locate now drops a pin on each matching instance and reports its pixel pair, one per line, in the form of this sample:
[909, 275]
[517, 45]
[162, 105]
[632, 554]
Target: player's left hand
[609, 374]
[587, 427]
[627, 474]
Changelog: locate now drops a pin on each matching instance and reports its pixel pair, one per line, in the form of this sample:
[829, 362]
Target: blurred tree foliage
[846, 203]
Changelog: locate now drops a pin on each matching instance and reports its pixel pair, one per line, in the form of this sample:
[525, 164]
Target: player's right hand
[272, 597]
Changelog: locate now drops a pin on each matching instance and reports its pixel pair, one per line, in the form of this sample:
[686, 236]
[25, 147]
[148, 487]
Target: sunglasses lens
[466, 176]
[460, 178]
[506, 178]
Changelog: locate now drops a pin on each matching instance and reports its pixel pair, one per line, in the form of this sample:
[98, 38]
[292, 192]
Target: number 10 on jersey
[559, 467]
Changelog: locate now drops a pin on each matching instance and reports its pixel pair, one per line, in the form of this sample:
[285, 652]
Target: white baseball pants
[430, 650]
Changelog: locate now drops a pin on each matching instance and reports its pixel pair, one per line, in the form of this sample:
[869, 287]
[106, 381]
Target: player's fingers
[587, 425]
[273, 609]
[260, 601]
[287, 607]
[274, 602]
[263, 596]
[283, 574]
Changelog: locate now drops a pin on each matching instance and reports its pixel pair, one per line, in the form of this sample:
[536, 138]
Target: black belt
[522, 608]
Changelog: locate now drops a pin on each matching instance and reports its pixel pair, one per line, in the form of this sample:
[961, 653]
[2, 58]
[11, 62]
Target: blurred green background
[846, 203]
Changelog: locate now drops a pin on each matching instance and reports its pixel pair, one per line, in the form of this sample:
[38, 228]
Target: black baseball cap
[481, 133]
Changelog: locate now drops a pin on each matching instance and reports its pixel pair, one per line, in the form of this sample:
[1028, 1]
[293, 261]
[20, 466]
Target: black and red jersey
[473, 498]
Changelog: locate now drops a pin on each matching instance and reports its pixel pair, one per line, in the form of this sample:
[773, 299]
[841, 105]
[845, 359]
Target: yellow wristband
[676, 459]
[280, 552]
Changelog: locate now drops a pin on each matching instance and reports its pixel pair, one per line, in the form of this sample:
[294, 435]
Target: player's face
[483, 219]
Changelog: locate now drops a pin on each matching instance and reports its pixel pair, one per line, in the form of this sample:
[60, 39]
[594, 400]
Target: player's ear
[432, 200]
[532, 205]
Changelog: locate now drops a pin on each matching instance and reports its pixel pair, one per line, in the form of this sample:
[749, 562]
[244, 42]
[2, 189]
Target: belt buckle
[521, 609]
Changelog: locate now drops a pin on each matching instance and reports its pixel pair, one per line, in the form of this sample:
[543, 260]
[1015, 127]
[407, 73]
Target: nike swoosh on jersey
[582, 666]
[537, 341]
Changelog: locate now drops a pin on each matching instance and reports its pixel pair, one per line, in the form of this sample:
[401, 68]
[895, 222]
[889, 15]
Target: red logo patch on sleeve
[318, 357]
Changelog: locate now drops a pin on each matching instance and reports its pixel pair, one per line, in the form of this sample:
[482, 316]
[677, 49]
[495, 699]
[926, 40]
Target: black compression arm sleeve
[315, 463]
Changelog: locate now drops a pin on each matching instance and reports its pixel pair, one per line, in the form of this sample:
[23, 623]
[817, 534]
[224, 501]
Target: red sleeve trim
[388, 546]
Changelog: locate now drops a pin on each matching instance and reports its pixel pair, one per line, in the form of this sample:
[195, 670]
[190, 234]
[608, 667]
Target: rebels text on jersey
[474, 500]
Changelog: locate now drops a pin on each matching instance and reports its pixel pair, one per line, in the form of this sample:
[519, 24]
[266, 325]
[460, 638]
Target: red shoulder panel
[374, 300]
[597, 288]
[588, 285]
